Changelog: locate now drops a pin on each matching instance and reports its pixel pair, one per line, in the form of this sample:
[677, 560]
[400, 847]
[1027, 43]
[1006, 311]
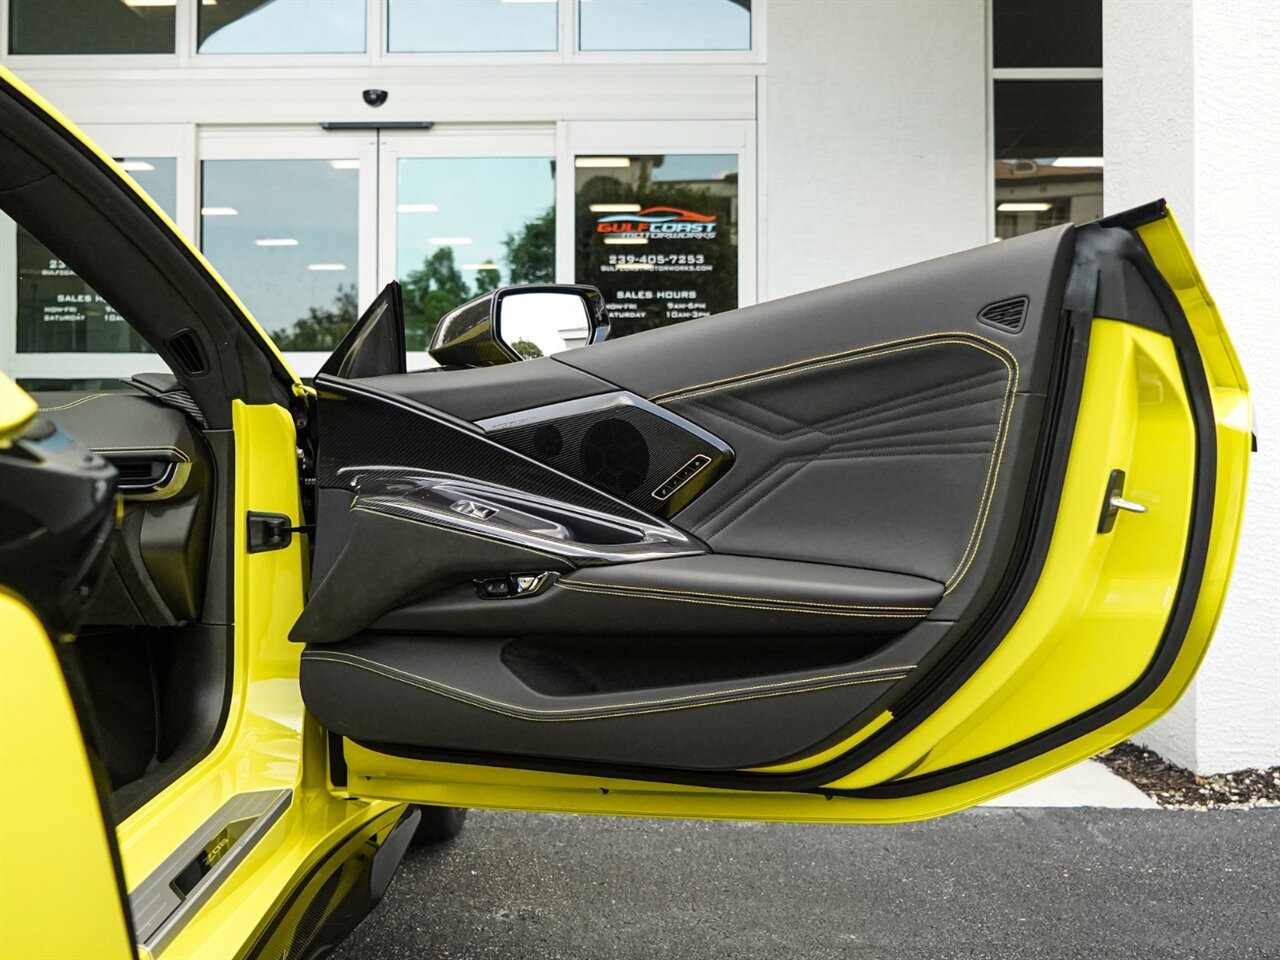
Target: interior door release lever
[1114, 502]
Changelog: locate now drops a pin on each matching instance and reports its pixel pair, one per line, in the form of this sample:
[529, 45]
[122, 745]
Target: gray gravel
[987, 883]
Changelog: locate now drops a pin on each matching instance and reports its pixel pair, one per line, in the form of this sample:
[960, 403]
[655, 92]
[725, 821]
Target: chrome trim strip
[159, 909]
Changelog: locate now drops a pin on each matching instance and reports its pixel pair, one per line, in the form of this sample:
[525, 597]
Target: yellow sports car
[876, 552]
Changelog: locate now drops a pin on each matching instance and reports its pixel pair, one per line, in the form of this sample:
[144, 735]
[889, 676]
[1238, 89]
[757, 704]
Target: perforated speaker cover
[625, 449]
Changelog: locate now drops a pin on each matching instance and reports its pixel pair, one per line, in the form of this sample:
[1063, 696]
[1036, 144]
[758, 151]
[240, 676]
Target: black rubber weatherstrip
[1093, 242]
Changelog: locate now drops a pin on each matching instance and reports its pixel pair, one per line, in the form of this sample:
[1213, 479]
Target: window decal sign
[658, 235]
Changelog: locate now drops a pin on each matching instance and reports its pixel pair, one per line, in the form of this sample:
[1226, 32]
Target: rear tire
[438, 824]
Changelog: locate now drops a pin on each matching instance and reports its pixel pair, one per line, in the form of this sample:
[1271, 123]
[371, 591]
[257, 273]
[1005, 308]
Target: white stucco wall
[873, 132]
[1192, 113]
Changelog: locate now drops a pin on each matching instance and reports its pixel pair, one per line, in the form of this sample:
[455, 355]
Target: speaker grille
[623, 449]
[614, 455]
[1008, 314]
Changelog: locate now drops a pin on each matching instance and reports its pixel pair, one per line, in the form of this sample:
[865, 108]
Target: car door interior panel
[803, 497]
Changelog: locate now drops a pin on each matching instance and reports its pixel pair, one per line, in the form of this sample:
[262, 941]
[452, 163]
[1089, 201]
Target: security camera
[375, 98]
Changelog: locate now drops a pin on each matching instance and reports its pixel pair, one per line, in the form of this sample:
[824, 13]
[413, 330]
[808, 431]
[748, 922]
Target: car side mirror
[520, 323]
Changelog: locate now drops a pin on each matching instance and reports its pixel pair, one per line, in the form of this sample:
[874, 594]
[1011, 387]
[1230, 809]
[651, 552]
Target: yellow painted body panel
[268, 742]
[1132, 408]
[16, 410]
[58, 891]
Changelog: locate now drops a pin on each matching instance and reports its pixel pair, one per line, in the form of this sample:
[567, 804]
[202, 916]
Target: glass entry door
[462, 212]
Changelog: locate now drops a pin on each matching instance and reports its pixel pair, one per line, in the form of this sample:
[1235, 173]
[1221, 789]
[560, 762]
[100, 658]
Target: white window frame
[121, 140]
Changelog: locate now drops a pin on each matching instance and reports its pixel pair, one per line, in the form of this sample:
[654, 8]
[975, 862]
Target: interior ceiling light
[1076, 162]
[627, 240]
[615, 208]
[602, 161]
[135, 166]
[479, 266]
[345, 164]
[219, 211]
[1019, 207]
[276, 242]
[326, 266]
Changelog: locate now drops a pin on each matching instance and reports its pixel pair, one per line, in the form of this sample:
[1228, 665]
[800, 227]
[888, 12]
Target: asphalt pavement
[1020, 883]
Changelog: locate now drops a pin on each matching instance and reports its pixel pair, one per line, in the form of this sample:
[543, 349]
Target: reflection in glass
[470, 26]
[538, 324]
[669, 25]
[468, 225]
[658, 235]
[1049, 159]
[90, 26]
[284, 235]
[60, 313]
[282, 26]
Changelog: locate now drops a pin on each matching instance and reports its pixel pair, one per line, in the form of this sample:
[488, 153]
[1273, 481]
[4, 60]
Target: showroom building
[318, 149]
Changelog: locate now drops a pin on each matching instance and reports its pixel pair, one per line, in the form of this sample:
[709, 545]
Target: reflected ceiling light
[626, 239]
[602, 161]
[1014, 207]
[479, 266]
[417, 208]
[449, 241]
[633, 266]
[219, 211]
[615, 208]
[135, 166]
[276, 242]
[326, 266]
[1076, 162]
[345, 164]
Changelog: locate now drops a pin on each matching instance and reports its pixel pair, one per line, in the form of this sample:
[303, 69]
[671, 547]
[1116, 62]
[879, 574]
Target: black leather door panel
[449, 694]
[709, 595]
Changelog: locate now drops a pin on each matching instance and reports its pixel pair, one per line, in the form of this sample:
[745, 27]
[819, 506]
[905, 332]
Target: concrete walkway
[1088, 784]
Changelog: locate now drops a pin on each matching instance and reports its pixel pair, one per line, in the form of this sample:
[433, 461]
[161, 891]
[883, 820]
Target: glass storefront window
[1049, 160]
[468, 225]
[282, 26]
[60, 313]
[1032, 33]
[470, 26]
[90, 26]
[284, 235]
[658, 235]
[669, 25]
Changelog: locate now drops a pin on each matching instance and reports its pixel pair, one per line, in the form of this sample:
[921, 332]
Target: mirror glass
[540, 323]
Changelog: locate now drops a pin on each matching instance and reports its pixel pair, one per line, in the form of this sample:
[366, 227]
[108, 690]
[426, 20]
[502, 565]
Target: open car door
[875, 552]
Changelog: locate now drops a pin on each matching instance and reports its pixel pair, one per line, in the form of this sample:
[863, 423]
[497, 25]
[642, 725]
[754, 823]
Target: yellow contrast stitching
[991, 348]
[730, 596]
[181, 455]
[814, 363]
[464, 533]
[742, 606]
[755, 692]
[989, 486]
[76, 403]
